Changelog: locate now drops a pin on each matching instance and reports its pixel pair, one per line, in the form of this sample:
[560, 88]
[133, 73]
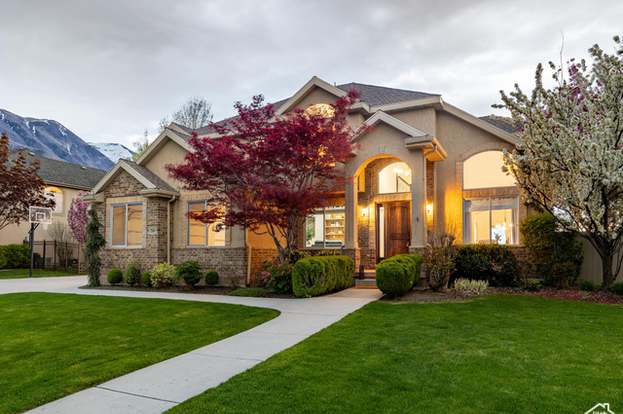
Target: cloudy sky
[109, 69]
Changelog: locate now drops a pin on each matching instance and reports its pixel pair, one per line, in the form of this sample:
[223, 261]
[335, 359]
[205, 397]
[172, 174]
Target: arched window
[321, 109]
[484, 170]
[395, 178]
[56, 194]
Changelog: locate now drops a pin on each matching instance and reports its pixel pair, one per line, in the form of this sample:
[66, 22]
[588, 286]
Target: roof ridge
[387, 87]
[31, 153]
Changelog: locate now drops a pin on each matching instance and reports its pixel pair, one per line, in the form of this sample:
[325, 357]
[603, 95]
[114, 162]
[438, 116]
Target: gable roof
[62, 173]
[503, 122]
[151, 181]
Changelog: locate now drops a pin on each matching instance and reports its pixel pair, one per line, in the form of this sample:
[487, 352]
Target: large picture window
[485, 170]
[395, 178]
[325, 228]
[56, 194]
[127, 225]
[491, 220]
[202, 234]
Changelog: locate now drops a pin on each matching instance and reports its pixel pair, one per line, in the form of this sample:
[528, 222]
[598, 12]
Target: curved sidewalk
[158, 387]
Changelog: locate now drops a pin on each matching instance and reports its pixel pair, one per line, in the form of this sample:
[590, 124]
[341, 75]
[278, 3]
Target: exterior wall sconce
[429, 210]
[364, 211]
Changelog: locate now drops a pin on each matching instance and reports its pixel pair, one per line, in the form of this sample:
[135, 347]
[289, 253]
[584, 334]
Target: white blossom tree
[569, 161]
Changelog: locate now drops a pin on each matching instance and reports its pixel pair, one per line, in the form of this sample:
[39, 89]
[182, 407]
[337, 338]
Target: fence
[591, 266]
[57, 255]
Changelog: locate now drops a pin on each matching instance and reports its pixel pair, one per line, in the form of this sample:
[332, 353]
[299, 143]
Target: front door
[395, 230]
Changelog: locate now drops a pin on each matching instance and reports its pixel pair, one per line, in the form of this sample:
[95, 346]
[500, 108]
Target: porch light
[364, 211]
[429, 210]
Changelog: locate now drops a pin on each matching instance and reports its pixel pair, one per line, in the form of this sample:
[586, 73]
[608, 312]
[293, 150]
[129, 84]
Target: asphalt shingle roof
[153, 178]
[65, 173]
[503, 122]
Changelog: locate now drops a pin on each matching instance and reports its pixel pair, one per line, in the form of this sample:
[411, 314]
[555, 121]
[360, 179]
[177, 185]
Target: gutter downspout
[173, 198]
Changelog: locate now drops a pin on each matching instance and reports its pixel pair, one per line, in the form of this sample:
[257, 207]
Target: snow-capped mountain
[50, 139]
[113, 150]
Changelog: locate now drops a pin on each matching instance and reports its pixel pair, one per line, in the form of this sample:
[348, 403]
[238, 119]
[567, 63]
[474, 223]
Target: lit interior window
[321, 109]
[127, 224]
[485, 170]
[325, 228]
[56, 194]
[202, 234]
[395, 178]
[491, 220]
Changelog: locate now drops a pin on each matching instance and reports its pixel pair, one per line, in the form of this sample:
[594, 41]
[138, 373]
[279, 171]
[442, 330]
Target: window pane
[491, 221]
[118, 225]
[334, 227]
[56, 194]
[314, 231]
[484, 170]
[135, 224]
[395, 178]
[479, 226]
[216, 238]
[196, 229]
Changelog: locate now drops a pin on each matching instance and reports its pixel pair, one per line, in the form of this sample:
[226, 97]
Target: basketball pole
[31, 241]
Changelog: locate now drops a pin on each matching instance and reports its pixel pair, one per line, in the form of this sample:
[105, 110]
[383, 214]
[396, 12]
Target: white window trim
[206, 228]
[125, 235]
[467, 223]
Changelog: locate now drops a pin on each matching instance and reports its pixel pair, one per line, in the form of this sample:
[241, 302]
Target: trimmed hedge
[494, 263]
[396, 275]
[317, 275]
[115, 276]
[132, 274]
[190, 271]
[14, 256]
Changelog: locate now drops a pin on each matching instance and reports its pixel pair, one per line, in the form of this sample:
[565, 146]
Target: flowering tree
[268, 172]
[77, 218]
[569, 161]
[20, 186]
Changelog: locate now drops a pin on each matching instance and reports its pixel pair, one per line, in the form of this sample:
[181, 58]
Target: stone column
[350, 203]
[418, 201]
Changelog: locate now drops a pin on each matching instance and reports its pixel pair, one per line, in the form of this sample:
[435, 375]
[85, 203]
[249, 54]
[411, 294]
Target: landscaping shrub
[317, 275]
[14, 256]
[190, 271]
[146, 279]
[280, 280]
[533, 285]
[212, 278]
[163, 275]
[115, 276]
[468, 287]
[396, 275]
[133, 274]
[494, 263]
[552, 254]
[439, 261]
[587, 285]
[617, 288]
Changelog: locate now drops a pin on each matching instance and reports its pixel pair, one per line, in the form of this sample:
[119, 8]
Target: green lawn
[499, 354]
[21, 273]
[52, 345]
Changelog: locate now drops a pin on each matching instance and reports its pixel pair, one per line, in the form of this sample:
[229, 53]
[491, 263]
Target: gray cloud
[110, 69]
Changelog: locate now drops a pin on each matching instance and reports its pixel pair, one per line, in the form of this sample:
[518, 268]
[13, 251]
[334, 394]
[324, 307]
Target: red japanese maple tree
[20, 186]
[268, 172]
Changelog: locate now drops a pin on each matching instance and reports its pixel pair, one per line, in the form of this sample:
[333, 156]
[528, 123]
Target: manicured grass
[52, 345]
[22, 273]
[252, 292]
[499, 354]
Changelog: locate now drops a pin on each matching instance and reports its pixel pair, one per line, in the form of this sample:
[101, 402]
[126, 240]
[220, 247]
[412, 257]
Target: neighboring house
[63, 182]
[424, 166]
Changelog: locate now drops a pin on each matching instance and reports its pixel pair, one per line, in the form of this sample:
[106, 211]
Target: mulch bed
[567, 294]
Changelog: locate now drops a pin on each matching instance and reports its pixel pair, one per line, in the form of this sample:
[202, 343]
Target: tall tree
[94, 242]
[269, 172]
[20, 186]
[141, 145]
[569, 161]
[194, 114]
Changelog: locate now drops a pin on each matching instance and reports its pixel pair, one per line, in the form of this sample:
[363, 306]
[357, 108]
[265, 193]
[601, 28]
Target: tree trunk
[606, 270]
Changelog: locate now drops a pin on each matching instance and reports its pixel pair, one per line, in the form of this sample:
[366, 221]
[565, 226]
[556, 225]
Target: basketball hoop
[39, 215]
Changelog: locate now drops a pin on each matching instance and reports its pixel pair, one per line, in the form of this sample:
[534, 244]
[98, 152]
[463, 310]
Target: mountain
[50, 139]
[113, 150]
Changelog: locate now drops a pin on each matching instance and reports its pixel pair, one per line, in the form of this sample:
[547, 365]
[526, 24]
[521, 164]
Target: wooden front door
[397, 228]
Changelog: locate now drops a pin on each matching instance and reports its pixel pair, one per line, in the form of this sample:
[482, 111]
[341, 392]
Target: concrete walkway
[157, 388]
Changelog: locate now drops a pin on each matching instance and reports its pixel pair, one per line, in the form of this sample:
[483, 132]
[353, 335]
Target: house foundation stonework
[420, 167]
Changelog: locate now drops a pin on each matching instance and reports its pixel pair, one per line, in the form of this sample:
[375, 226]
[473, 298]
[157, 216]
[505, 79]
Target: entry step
[367, 283]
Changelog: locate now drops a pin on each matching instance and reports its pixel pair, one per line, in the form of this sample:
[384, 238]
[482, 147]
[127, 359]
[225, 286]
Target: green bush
[494, 263]
[587, 285]
[163, 275]
[317, 275]
[133, 274]
[396, 275]
[533, 285]
[280, 279]
[14, 256]
[115, 276]
[212, 278]
[190, 271]
[617, 288]
[252, 292]
[146, 279]
[553, 254]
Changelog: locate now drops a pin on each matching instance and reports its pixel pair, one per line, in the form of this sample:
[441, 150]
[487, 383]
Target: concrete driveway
[159, 387]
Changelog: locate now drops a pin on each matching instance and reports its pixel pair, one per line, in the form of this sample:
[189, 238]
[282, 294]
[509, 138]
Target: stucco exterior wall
[169, 153]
